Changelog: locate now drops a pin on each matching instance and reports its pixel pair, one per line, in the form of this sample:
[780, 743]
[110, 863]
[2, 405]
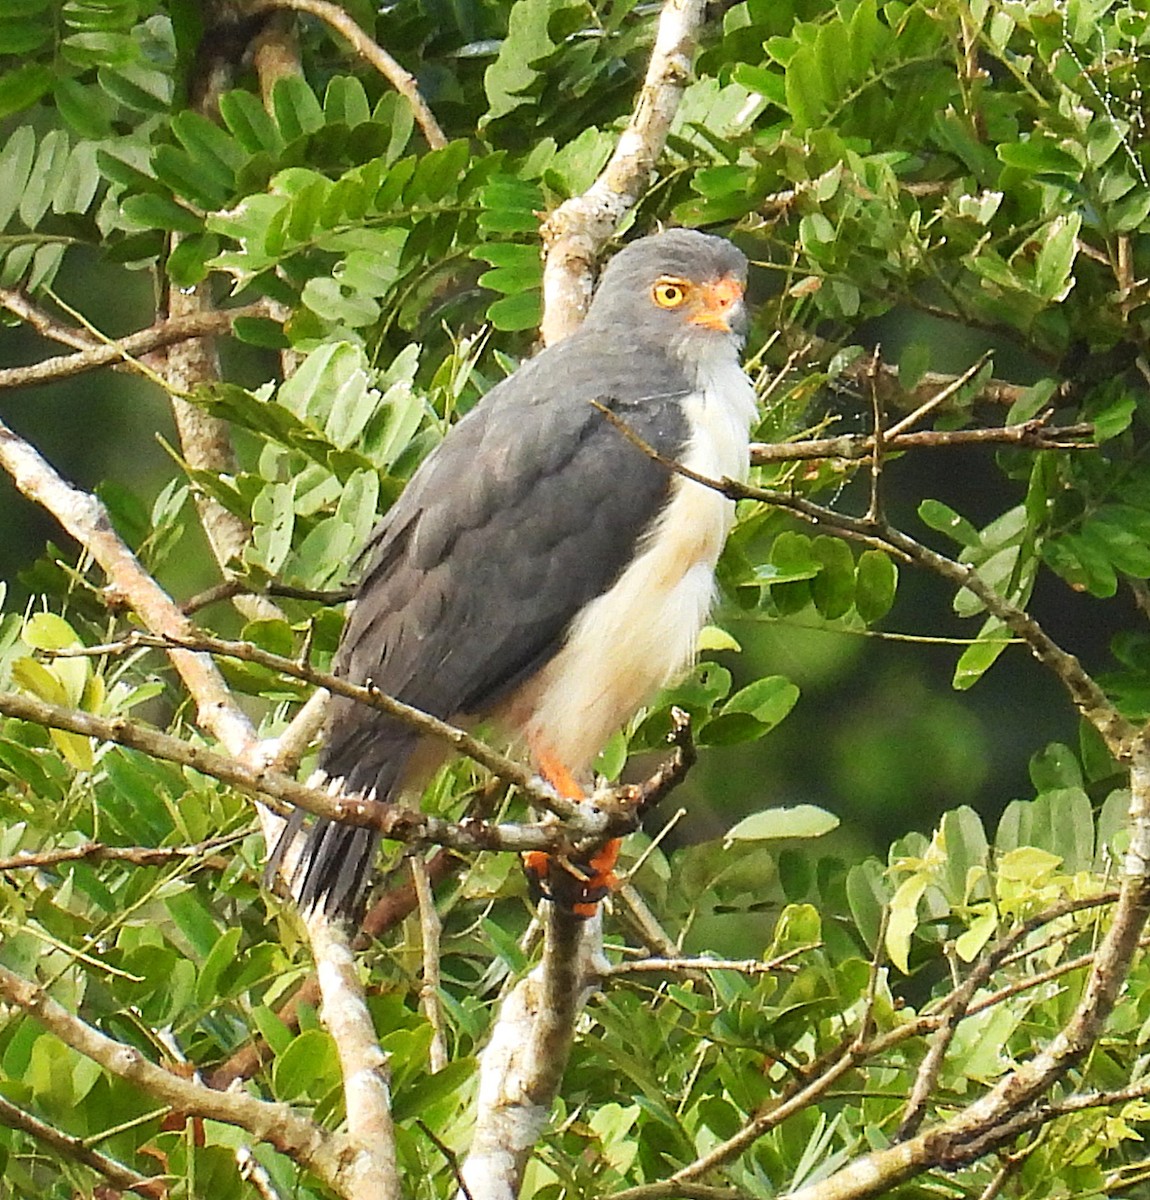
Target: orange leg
[578, 885]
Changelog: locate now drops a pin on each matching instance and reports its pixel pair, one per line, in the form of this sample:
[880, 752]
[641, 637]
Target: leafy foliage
[976, 166]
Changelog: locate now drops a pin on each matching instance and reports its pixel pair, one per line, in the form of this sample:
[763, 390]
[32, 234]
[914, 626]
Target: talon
[575, 885]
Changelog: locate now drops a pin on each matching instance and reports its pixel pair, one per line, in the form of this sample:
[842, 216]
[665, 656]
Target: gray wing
[530, 508]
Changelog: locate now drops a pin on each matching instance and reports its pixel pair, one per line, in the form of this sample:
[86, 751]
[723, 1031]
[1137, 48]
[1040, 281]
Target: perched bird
[540, 568]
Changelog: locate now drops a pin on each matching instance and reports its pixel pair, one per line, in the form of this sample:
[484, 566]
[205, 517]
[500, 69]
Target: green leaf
[867, 895]
[944, 519]
[45, 177]
[47, 631]
[21, 35]
[308, 1069]
[415, 1100]
[1054, 767]
[833, 588]
[16, 160]
[137, 86]
[194, 921]
[248, 121]
[297, 111]
[152, 211]
[904, 920]
[1039, 156]
[1053, 269]
[273, 519]
[324, 296]
[1112, 416]
[512, 313]
[22, 87]
[801, 821]
[876, 581]
[221, 958]
[981, 654]
[345, 101]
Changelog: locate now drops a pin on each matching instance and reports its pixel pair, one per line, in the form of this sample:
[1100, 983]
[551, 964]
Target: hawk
[540, 569]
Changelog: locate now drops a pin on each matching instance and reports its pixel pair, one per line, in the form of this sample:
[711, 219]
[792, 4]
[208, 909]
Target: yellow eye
[669, 293]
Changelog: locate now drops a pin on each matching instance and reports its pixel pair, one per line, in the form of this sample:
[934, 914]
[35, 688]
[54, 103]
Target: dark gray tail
[331, 875]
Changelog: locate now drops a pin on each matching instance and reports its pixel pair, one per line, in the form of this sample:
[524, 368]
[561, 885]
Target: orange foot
[575, 885]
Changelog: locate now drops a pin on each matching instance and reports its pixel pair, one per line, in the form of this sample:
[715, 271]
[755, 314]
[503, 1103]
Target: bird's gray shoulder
[531, 507]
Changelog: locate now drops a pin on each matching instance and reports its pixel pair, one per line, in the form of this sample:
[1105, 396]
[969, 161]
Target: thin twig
[392, 821]
[745, 966]
[430, 928]
[140, 856]
[450, 1157]
[1035, 434]
[940, 397]
[116, 1173]
[122, 350]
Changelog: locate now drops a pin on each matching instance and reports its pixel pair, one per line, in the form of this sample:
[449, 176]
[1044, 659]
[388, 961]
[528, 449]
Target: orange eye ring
[669, 293]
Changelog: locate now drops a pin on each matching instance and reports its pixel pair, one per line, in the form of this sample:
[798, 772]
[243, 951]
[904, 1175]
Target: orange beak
[715, 302]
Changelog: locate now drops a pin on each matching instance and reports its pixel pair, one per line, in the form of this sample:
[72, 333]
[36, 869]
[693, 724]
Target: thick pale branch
[522, 1065]
[372, 1170]
[278, 1124]
[576, 232]
[86, 519]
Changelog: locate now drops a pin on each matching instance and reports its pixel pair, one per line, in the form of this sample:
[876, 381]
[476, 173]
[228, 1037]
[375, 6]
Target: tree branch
[430, 929]
[372, 1172]
[576, 232]
[163, 333]
[69, 1146]
[17, 303]
[522, 1065]
[393, 821]
[206, 442]
[140, 856]
[278, 1124]
[1035, 434]
[86, 519]
[370, 51]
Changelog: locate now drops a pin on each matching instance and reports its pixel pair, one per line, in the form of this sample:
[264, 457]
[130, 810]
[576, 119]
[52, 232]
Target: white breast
[637, 637]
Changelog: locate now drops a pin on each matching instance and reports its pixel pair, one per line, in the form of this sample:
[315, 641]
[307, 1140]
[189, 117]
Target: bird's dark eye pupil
[669, 295]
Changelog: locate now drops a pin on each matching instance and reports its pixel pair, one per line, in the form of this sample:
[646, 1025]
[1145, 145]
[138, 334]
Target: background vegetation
[946, 205]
